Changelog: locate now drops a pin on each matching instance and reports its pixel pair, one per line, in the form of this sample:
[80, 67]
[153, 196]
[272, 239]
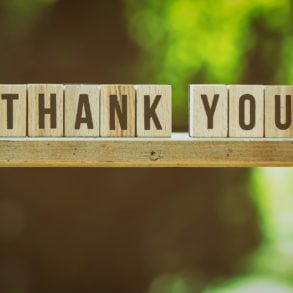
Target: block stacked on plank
[56, 110]
[240, 111]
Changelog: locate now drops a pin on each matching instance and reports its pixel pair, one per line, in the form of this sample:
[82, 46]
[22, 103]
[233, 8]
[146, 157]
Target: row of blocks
[55, 110]
[143, 110]
[244, 111]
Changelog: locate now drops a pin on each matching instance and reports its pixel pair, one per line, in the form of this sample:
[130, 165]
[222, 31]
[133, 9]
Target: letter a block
[246, 111]
[208, 106]
[117, 110]
[45, 110]
[154, 110]
[82, 110]
[13, 110]
[278, 111]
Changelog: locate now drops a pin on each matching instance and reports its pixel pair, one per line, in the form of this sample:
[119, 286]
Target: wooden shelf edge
[178, 151]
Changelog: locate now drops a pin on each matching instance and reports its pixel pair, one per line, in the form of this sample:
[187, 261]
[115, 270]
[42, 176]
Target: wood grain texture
[278, 113]
[119, 91]
[178, 151]
[236, 93]
[90, 110]
[215, 99]
[163, 110]
[34, 92]
[15, 124]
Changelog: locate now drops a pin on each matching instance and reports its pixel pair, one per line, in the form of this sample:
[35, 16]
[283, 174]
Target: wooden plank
[208, 106]
[45, 110]
[178, 151]
[117, 104]
[246, 111]
[82, 110]
[278, 111]
[153, 110]
[13, 103]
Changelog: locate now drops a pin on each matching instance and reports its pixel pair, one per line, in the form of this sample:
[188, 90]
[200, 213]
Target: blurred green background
[146, 230]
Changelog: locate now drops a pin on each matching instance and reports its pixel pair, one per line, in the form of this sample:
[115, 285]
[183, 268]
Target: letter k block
[154, 110]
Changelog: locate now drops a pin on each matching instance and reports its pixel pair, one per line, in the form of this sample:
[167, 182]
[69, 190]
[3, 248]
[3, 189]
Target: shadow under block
[153, 110]
[45, 110]
[208, 106]
[82, 110]
[246, 111]
[278, 111]
[13, 110]
[117, 115]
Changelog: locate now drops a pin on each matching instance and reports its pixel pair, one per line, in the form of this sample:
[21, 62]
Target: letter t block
[154, 110]
[208, 107]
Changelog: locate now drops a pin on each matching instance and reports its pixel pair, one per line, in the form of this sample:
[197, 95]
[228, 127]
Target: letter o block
[246, 111]
[154, 110]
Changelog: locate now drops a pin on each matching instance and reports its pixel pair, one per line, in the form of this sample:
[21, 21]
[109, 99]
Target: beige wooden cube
[45, 110]
[208, 110]
[153, 110]
[82, 110]
[13, 110]
[246, 111]
[117, 104]
[278, 111]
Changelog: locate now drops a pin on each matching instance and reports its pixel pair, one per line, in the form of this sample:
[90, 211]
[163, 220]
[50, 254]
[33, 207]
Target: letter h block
[154, 110]
[45, 110]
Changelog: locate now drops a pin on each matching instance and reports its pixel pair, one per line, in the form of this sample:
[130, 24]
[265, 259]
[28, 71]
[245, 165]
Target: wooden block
[246, 111]
[208, 106]
[45, 110]
[13, 110]
[82, 110]
[153, 110]
[117, 104]
[278, 111]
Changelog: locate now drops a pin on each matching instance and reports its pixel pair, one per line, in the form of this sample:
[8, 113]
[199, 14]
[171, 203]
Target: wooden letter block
[45, 110]
[117, 110]
[208, 106]
[13, 110]
[278, 111]
[82, 110]
[153, 110]
[246, 111]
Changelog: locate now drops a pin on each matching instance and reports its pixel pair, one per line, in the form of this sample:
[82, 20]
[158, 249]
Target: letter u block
[45, 110]
[154, 110]
[117, 110]
[208, 107]
[246, 111]
[278, 111]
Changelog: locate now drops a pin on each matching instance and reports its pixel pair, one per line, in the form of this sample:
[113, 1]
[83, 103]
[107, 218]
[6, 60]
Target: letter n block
[82, 110]
[45, 110]
[208, 106]
[278, 111]
[117, 110]
[13, 110]
[154, 110]
[246, 111]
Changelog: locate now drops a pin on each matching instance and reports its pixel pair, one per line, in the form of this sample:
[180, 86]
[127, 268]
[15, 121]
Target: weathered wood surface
[178, 151]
